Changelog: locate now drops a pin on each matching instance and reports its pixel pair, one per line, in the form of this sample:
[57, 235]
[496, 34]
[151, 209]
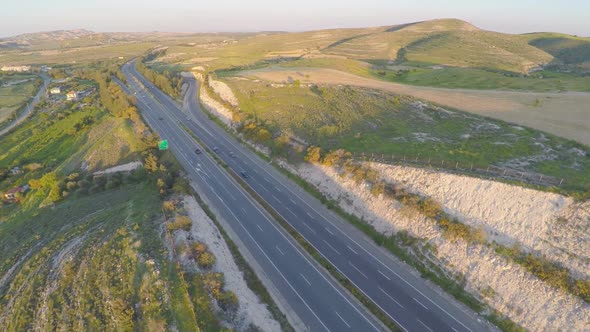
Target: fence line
[461, 168]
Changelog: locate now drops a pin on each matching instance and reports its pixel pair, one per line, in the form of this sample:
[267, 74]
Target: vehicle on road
[215, 149]
[198, 151]
[231, 154]
[160, 118]
[244, 174]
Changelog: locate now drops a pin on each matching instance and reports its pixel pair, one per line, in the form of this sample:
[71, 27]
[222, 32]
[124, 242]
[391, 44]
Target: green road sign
[163, 145]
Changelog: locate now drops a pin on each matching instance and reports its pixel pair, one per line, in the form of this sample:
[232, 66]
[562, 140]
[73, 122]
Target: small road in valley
[29, 107]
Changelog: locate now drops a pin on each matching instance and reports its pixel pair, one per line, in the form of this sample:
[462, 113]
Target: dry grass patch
[562, 114]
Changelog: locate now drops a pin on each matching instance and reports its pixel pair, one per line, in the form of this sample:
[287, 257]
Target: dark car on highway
[198, 151]
[244, 174]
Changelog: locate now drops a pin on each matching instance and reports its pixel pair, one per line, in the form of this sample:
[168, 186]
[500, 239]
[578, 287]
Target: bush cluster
[180, 222]
[203, 257]
[227, 300]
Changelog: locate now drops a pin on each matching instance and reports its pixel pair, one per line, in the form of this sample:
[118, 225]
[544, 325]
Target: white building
[19, 69]
[72, 95]
[55, 91]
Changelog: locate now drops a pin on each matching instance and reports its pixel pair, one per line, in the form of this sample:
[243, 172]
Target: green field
[14, 96]
[370, 121]
[471, 78]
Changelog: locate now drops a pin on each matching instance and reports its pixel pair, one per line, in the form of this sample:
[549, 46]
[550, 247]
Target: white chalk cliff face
[515, 292]
[542, 222]
[224, 91]
[213, 106]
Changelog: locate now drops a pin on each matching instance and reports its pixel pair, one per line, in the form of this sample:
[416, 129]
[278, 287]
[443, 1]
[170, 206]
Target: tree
[54, 194]
[151, 163]
[263, 135]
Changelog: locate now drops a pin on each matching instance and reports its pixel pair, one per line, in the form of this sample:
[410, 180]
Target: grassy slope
[565, 48]
[473, 58]
[446, 42]
[368, 121]
[112, 230]
[471, 78]
[12, 97]
[109, 240]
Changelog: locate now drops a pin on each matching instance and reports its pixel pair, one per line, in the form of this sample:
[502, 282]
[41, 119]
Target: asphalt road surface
[317, 300]
[395, 287]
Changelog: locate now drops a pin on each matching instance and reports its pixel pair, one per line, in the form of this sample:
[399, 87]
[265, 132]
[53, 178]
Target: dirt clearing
[563, 114]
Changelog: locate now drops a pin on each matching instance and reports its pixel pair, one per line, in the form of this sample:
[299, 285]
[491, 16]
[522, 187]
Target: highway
[392, 285]
[318, 301]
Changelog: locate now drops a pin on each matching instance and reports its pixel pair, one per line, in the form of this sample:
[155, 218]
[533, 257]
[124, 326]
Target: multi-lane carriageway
[315, 298]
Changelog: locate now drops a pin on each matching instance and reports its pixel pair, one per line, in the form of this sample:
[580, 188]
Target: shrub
[228, 301]
[406, 239]
[378, 188]
[334, 158]
[71, 185]
[73, 177]
[206, 260]
[350, 167]
[180, 222]
[84, 184]
[371, 175]
[359, 175]
[168, 206]
[213, 283]
[429, 207]
[181, 186]
[582, 289]
[199, 248]
[454, 230]
[151, 163]
[263, 135]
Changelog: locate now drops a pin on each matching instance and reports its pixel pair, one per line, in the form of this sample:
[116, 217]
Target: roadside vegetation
[169, 82]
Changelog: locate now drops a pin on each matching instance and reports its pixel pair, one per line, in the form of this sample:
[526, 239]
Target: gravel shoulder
[251, 310]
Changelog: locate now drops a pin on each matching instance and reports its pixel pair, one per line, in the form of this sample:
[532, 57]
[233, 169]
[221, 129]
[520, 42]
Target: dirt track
[563, 114]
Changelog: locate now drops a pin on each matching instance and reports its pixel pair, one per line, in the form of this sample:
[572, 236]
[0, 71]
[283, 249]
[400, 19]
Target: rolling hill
[568, 50]
[446, 42]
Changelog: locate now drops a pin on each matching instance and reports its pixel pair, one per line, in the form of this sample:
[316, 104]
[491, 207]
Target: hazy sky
[516, 16]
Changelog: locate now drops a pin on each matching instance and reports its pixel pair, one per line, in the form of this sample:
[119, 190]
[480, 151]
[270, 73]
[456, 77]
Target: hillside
[443, 42]
[447, 42]
[567, 50]
[111, 250]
